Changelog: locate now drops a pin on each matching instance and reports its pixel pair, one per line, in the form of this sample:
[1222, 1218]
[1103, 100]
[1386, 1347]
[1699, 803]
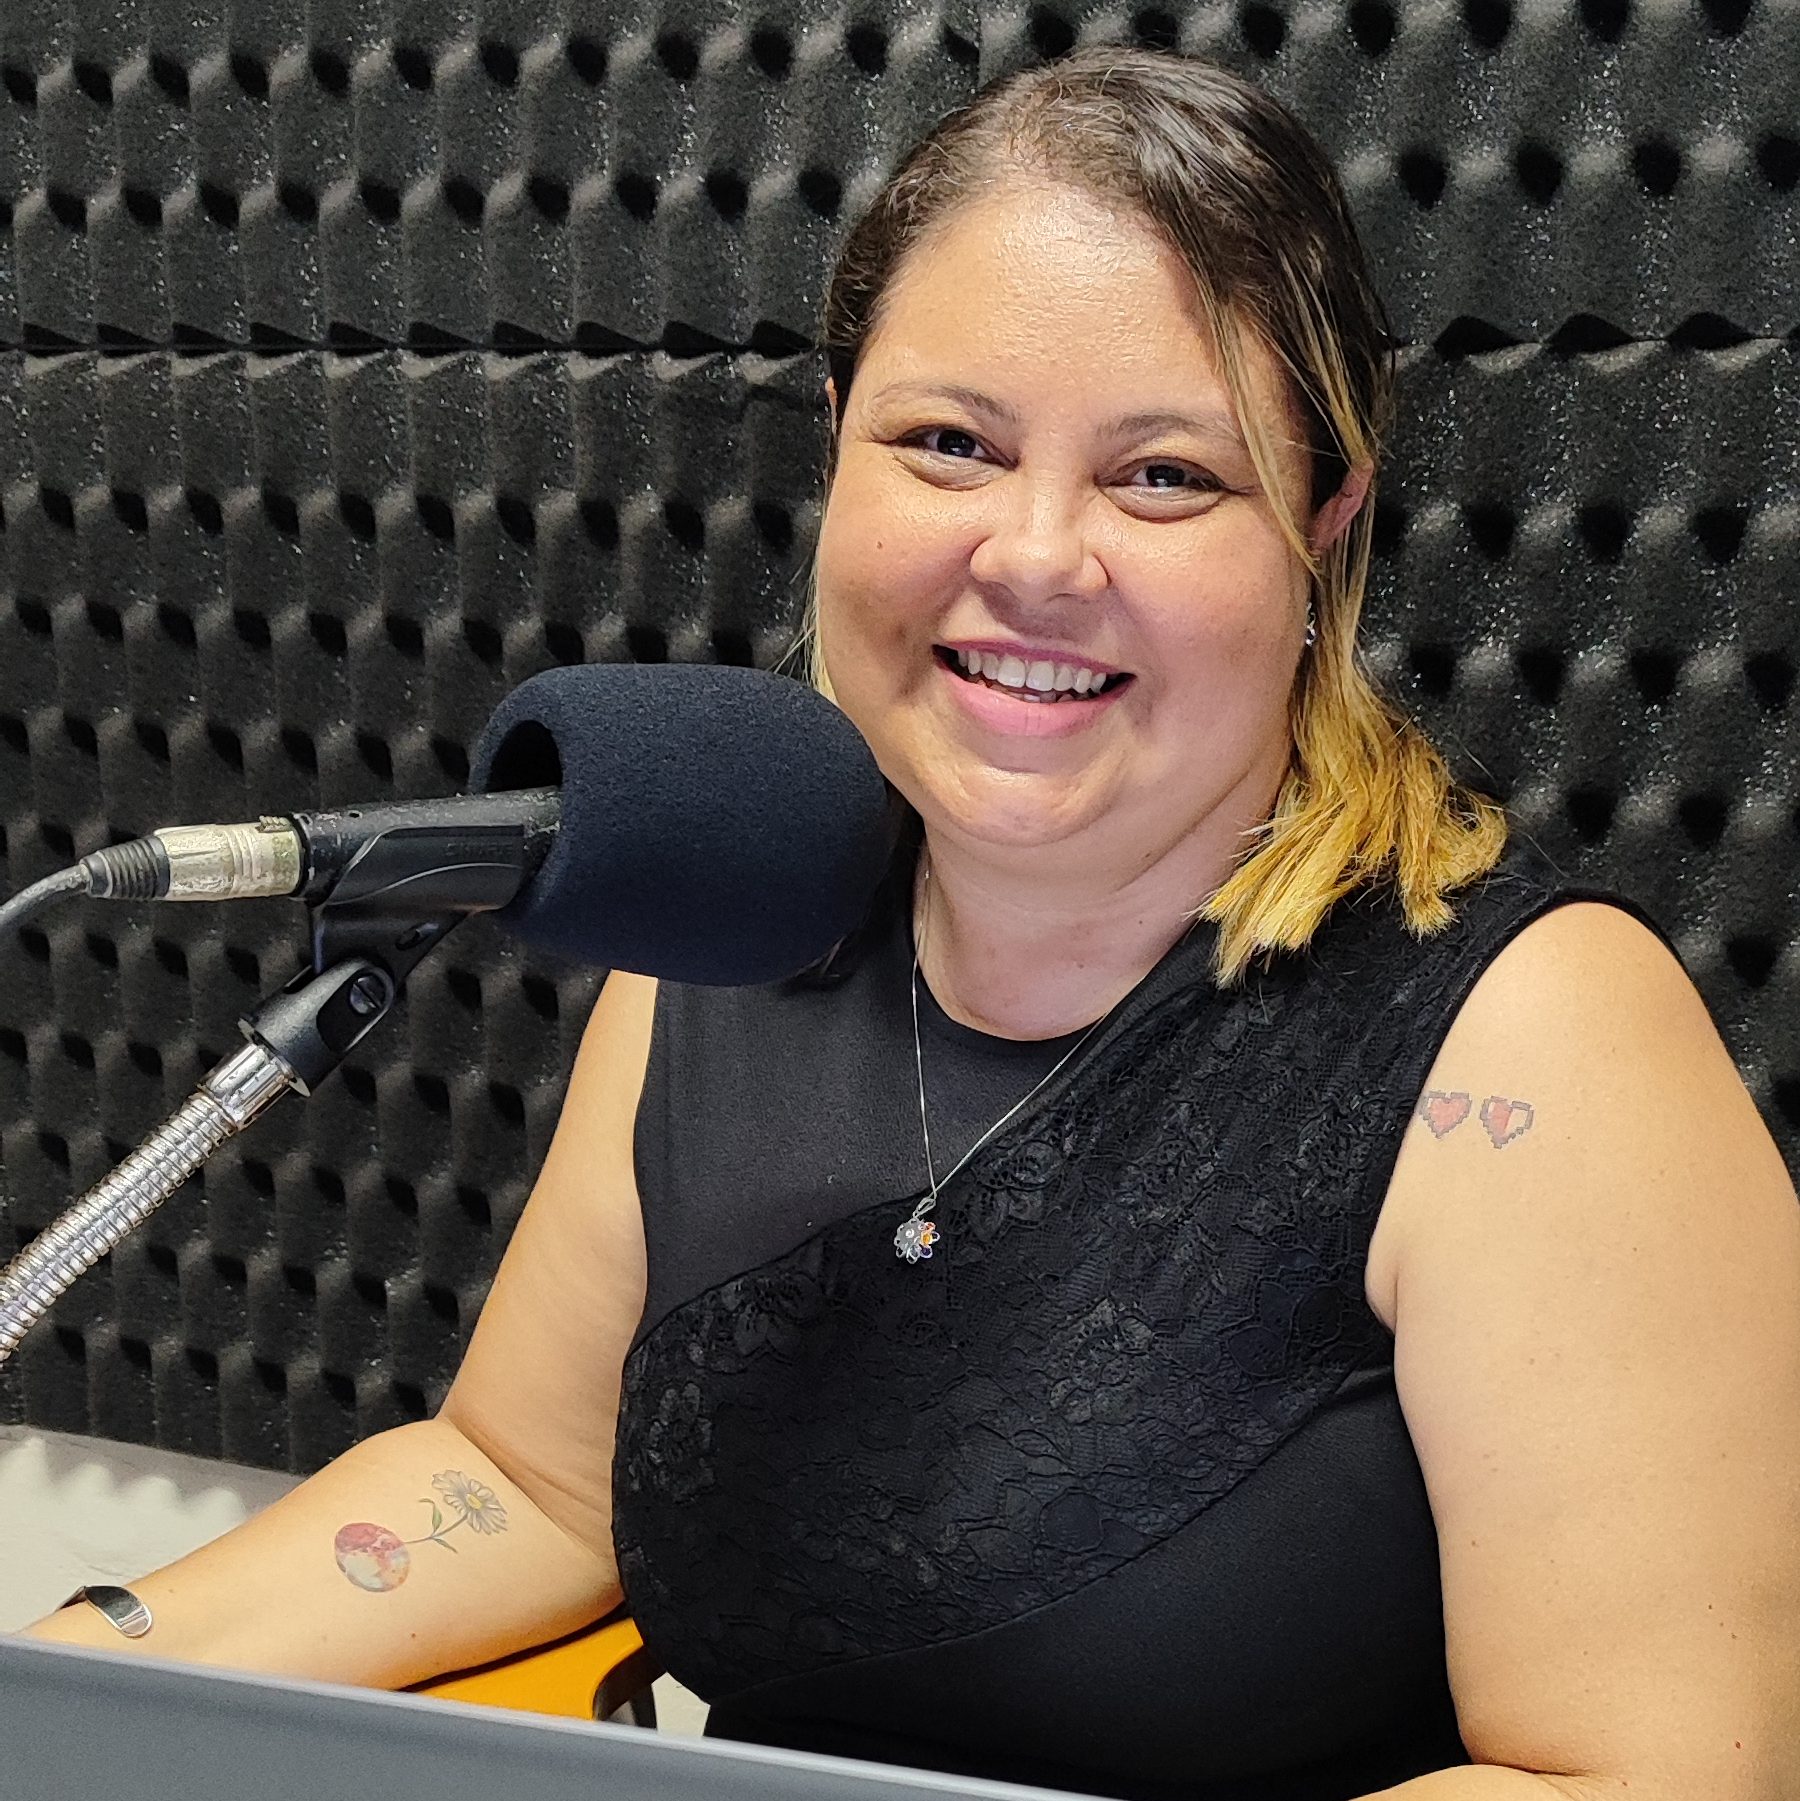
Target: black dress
[1112, 1493]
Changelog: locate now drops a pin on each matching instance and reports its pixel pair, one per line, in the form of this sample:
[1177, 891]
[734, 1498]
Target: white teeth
[1037, 678]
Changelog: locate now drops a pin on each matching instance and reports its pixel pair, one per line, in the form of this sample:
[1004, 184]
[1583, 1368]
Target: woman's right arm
[529, 1420]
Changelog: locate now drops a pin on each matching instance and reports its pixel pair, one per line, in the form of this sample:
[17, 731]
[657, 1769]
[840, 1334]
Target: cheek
[1217, 633]
[1239, 628]
[1218, 594]
[888, 560]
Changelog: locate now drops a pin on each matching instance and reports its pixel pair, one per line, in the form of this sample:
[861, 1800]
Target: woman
[1235, 1283]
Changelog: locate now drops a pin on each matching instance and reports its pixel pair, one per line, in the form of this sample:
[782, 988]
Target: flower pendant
[915, 1238]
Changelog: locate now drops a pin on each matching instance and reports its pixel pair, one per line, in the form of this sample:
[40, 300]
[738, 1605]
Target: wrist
[99, 1616]
[72, 1626]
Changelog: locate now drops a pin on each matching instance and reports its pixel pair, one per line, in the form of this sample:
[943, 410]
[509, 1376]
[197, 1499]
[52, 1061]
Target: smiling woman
[1235, 1282]
[1056, 515]
[1108, 380]
[1241, 1341]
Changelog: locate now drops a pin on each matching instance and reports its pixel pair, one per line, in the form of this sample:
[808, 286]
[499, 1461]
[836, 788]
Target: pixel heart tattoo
[378, 1560]
[1443, 1112]
[1444, 1109]
[1506, 1120]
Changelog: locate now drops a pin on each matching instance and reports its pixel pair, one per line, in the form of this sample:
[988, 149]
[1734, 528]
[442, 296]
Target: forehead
[1036, 281]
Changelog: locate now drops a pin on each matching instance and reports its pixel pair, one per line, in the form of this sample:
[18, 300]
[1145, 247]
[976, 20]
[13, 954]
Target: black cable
[15, 912]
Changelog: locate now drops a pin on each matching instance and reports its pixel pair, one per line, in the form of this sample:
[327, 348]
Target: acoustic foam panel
[361, 360]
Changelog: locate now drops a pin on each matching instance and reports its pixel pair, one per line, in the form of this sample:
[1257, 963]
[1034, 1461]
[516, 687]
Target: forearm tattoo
[377, 1560]
[1443, 1110]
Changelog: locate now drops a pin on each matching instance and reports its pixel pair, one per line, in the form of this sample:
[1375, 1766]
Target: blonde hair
[1248, 200]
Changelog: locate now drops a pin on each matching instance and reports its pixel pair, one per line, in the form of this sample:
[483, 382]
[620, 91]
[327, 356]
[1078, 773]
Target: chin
[1004, 821]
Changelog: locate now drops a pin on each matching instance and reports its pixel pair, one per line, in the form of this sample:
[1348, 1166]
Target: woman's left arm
[1596, 1302]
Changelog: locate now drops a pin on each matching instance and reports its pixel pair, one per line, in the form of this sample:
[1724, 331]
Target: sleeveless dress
[1112, 1493]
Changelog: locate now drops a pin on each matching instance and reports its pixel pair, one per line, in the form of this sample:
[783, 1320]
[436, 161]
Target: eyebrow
[1209, 423]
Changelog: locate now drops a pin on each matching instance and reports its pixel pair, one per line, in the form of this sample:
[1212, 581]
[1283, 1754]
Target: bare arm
[323, 1584]
[451, 1541]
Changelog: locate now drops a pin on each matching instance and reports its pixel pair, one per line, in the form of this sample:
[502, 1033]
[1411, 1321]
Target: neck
[1043, 949]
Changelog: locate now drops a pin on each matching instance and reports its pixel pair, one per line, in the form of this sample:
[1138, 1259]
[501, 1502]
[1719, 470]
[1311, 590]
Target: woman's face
[1040, 467]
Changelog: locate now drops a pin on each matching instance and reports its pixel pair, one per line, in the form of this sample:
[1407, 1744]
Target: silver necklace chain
[917, 1234]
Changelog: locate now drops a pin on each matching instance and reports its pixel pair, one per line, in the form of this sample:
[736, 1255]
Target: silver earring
[1312, 628]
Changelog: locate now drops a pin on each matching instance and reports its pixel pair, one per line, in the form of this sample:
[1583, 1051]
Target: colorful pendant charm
[916, 1235]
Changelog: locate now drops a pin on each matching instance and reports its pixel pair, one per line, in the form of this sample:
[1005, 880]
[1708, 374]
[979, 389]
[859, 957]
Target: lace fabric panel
[1140, 1290]
[1144, 1284]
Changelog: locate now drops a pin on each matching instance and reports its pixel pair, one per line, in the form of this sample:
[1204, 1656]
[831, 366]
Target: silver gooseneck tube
[229, 1098]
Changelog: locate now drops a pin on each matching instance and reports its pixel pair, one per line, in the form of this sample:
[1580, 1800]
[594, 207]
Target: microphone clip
[389, 880]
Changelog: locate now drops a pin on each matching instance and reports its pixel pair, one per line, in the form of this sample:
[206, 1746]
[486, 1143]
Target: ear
[831, 400]
[1333, 518]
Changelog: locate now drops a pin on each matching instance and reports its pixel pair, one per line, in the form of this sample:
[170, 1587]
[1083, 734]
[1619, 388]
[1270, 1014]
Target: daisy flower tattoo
[378, 1560]
[474, 1503]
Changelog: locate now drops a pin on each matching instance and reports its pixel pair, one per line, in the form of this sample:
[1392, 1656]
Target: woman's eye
[949, 436]
[1196, 480]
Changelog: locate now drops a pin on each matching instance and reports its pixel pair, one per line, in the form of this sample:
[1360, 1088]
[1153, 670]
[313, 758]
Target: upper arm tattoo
[1443, 1110]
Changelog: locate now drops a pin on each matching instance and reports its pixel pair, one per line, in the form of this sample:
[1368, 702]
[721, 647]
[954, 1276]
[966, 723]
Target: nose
[1039, 543]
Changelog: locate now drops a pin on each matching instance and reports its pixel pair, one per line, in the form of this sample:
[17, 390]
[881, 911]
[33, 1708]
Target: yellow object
[588, 1675]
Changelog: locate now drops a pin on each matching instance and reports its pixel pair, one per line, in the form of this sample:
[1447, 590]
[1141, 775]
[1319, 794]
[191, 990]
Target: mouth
[1041, 684]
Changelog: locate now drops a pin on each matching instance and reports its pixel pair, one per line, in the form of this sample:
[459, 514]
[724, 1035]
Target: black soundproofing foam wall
[362, 359]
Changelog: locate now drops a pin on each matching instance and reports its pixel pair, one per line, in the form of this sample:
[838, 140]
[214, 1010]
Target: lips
[1022, 714]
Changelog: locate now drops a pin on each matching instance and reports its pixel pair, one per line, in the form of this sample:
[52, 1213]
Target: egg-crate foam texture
[360, 363]
[341, 174]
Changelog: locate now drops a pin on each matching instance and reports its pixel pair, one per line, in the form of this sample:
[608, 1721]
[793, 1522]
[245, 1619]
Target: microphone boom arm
[226, 1102]
[296, 1037]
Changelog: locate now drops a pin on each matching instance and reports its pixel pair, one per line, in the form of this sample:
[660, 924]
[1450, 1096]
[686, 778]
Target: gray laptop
[102, 1726]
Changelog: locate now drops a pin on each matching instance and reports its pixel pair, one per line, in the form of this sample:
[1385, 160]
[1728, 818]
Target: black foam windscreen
[719, 825]
[358, 363]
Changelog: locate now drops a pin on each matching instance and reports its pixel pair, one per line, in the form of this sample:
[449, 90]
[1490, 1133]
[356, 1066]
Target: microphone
[469, 852]
[701, 824]
[707, 824]
[720, 825]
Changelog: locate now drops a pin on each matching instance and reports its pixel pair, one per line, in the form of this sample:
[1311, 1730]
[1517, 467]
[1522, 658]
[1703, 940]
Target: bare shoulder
[1583, 1009]
[1592, 1273]
[1592, 972]
[1583, 1074]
